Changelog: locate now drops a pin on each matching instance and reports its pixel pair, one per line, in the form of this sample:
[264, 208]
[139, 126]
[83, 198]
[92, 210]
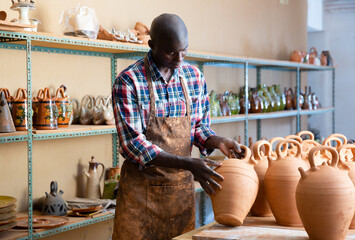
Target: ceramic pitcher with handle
[19, 110]
[93, 179]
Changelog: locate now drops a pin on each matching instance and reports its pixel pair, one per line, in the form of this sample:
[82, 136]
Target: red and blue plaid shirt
[131, 104]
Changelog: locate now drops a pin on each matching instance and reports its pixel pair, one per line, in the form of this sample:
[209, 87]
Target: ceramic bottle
[325, 198]
[93, 179]
[232, 203]
[233, 103]
[6, 122]
[261, 207]
[280, 181]
[289, 98]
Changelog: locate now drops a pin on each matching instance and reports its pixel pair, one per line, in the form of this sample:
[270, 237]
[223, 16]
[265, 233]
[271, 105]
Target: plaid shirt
[131, 104]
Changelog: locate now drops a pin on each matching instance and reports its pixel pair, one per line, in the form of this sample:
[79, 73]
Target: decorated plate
[7, 215]
[88, 209]
[6, 201]
[6, 221]
[45, 221]
[8, 208]
[7, 226]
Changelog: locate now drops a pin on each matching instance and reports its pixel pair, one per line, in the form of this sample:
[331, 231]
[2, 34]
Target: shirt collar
[154, 71]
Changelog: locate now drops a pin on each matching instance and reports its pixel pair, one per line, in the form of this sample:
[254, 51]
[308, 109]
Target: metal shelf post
[258, 122]
[333, 100]
[246, 85]
[298, 118]
[115, 156]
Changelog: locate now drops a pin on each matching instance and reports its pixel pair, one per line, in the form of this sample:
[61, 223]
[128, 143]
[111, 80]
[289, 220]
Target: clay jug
[47, 112]
[223, 102]
[19, 110]
[108, 112]
[8, 97]
[313, 57]
[281, 180]
[339, 139]
[215, 109]
[98, 111]
[326, 59]
[35, 106]
[297, 56]
[281, 96]
[349, 162]
[93, 179]
[75, 106]
[300, 100]
[233, 103]
[289, 98]
[307, 103]
[292, 149]
[62, 102]
[232, 203]
[275, 99]
[261, 207]
[54, 204]
[6, 122]
[86, 109]
[325, 198]
[315, 101]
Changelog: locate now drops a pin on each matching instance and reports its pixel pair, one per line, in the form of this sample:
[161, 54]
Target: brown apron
[157, 202]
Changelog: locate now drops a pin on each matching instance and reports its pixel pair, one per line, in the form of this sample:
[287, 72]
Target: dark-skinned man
[161, 108]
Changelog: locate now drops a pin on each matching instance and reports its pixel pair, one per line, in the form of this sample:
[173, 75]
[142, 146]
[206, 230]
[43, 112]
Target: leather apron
[157, 202]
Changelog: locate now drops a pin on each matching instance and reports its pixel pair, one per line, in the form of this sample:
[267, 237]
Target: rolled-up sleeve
[203, 121]
[129, 125]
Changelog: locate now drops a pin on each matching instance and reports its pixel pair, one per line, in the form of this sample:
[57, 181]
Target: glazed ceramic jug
[325, 198]
[86, 109]
[256, 104]
[35, 106]
[108, 112]
[75, 106]
[6, 122]
[349, 162]
[47, 112]
[281, 96]
[54, 204]
[8, 97]
[300, 100]
[223, 102]
[261, 207]
[233, 103]
[280, 181]
[289, 98]
[98, 111]
[297, 56]
[62, 102]
[93, 179]
[19, 110]
[232, 203]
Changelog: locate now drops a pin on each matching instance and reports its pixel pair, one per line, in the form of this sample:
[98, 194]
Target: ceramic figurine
[93, 179]
[54, 204]
[6, 122]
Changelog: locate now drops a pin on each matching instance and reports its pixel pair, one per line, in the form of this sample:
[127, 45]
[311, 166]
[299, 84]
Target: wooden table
[253, 228]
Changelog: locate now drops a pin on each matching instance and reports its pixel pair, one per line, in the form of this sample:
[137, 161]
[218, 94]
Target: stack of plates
[7, 212]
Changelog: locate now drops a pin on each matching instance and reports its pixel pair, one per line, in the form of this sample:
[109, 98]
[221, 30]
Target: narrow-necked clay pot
[19, 110]
[261, 207]
[348, 161]
[280, 181]
[47, 112]
[325, 198]
[61, 100]
[232, 203]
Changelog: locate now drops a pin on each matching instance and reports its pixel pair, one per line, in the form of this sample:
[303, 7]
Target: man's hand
[227, 146]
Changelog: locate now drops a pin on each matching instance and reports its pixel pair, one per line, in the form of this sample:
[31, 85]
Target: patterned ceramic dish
[6, 201]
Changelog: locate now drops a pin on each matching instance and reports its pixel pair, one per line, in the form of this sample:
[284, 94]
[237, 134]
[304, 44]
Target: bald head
[168, 27]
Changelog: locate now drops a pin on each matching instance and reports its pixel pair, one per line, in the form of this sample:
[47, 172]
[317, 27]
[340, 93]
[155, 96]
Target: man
[161, 107]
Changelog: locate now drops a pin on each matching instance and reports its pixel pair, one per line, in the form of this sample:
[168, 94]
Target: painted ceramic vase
[325, 198]
[6, 122]
[281, 180]
[19, 110]
[35, 106]
[64, 111]
[47, 112]
[232, 203]
[93, 179]
[261, 207]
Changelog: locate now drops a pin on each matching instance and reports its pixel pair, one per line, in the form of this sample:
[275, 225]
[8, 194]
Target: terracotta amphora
[93, 179]
[62, 102]
[261, 207]
[47, 112]
[19, 110]
[349, 162]
[8, 97]
[35, 106]
[280, 181]
[325, 198]
[232, 203]
[6, 122]
[307, 145]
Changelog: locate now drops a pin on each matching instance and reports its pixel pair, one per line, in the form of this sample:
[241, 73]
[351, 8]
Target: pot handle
[46, 93]
[342, 151]
[258, 145]
[6, 92]
[308, 133]
[59, 92]
[285, 142]
[18, 94]
[103, 170]
[341, 136]
[335, 156]
[40, 94]
[247, 155]
[54, 188]
[329, 139]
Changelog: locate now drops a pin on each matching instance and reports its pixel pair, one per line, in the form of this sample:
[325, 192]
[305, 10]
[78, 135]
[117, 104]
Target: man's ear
[151, 44]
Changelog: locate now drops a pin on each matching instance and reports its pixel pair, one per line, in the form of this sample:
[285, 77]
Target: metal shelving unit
[49, 43]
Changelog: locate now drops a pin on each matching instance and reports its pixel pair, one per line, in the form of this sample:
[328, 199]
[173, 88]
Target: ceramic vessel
[256, 103]
[223, 102]
[232, 203]
[297, 56]
[62, 103]
[19, 110]
[108, 112]
[272, 142]
[54, 204]
[344, 158]
[35, 106]
[281, 180]
[300, 99]
[86, 110]
[233, 103]
[261, 207]
[8, 97]
[47, 112]
[289, 98]
[98, 111]
[114, 173]
[325, 198]
[75, 106]
[93, 179]
[6, 122]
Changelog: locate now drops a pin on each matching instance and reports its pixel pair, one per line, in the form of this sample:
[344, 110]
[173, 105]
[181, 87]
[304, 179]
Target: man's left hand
[227, 146]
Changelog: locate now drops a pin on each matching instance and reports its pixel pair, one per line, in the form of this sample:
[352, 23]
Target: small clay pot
[297, 56]
[232, 203]
[325, 198]
[19, 110]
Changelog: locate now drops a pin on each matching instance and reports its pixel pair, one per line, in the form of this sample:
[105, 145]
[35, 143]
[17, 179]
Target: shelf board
[71, 131]
[280, 114]
[68, 43]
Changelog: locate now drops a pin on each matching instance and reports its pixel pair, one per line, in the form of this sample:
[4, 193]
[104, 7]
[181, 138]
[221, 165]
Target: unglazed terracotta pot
[281, 180]
[62, 102]
[19, 110]
[339, 139]
[349, 162]
[325, 198]
[307, 145]
[232, 203]
[261, 207]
